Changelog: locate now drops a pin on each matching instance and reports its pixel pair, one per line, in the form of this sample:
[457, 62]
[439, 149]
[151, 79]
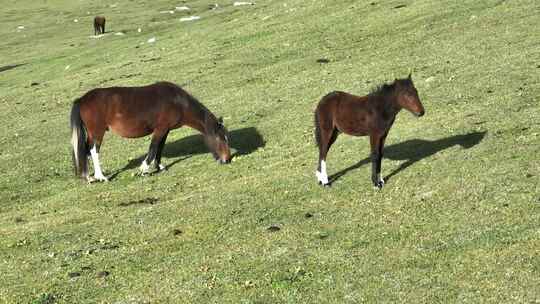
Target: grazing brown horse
[136, 112]
[371, 115]
[99, 25]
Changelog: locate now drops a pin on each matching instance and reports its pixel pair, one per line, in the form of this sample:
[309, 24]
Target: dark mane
[185, 99]
[382, 90]
[386, 89]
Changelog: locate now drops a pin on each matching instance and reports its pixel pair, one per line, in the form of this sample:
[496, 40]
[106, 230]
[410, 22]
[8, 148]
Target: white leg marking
[98, 174]
[144, 167]
[381, 180]
[322, 176]
[162, 167]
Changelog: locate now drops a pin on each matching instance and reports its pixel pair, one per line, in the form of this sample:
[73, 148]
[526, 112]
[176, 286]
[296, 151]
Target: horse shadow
[416, 149]
[244, 141]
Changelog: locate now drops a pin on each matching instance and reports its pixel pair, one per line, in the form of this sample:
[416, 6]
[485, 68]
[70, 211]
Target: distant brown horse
[371, 115]
[99, 25]
[136, 112]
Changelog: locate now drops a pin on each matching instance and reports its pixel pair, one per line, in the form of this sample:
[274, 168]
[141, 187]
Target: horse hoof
[94, 179]
[141, 173]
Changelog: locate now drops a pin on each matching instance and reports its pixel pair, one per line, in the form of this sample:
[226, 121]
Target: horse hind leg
[94, 155]
[321, 173]
[98, 173]
[95, 137]
[326, 135]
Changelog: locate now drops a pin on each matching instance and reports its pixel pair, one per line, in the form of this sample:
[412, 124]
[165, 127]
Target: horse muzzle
[223, 162]
[420, 114]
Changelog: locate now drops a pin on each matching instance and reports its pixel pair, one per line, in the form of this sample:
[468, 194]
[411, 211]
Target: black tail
[317, 128]
[78, 141]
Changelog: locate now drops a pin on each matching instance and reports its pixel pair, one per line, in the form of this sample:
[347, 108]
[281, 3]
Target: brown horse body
[136, 112]
[99, 25]
[371, 115]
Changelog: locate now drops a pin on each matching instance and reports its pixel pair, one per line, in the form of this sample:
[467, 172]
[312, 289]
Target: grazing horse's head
[407, 96]
[217, 139]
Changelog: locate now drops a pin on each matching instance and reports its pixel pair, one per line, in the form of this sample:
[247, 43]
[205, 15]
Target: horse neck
[202, 121]
[390, 106]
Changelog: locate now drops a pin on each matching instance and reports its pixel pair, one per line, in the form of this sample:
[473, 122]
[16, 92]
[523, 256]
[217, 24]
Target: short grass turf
[458, 220]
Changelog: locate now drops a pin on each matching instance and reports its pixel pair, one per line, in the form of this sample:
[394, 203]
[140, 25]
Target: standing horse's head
[217, 139]
[407, 96]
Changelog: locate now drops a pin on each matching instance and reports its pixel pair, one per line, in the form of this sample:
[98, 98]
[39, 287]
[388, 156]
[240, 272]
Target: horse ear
[409, 77]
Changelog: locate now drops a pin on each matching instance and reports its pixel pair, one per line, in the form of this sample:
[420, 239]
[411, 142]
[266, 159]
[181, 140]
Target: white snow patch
[238, 3]
[99, 36]
[190, 18]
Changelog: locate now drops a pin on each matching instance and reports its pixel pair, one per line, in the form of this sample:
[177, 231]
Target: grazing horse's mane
[207, 116]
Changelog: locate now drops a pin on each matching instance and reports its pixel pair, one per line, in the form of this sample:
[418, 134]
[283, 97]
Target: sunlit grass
[456, 222]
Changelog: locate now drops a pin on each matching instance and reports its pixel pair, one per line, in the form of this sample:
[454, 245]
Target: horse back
[99, 20]
[350, 114]
[132, 111]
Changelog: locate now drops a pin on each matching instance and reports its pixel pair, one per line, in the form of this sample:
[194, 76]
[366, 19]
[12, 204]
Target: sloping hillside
[458, 220]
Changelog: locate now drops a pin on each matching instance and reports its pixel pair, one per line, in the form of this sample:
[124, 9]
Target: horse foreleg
[152, 151]
[158, 164]
[377, 144]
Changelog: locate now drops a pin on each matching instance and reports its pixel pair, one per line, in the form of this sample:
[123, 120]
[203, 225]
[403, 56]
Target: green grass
[456, 222]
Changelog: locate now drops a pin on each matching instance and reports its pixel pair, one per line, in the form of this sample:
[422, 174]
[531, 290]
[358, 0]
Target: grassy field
[458, 220]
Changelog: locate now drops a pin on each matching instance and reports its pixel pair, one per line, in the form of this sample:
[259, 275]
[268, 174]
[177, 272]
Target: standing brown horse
[371, 115]
[99, 25]
[136, 112]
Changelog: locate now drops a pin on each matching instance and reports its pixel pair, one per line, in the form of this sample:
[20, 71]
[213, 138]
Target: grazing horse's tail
[78, 141]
